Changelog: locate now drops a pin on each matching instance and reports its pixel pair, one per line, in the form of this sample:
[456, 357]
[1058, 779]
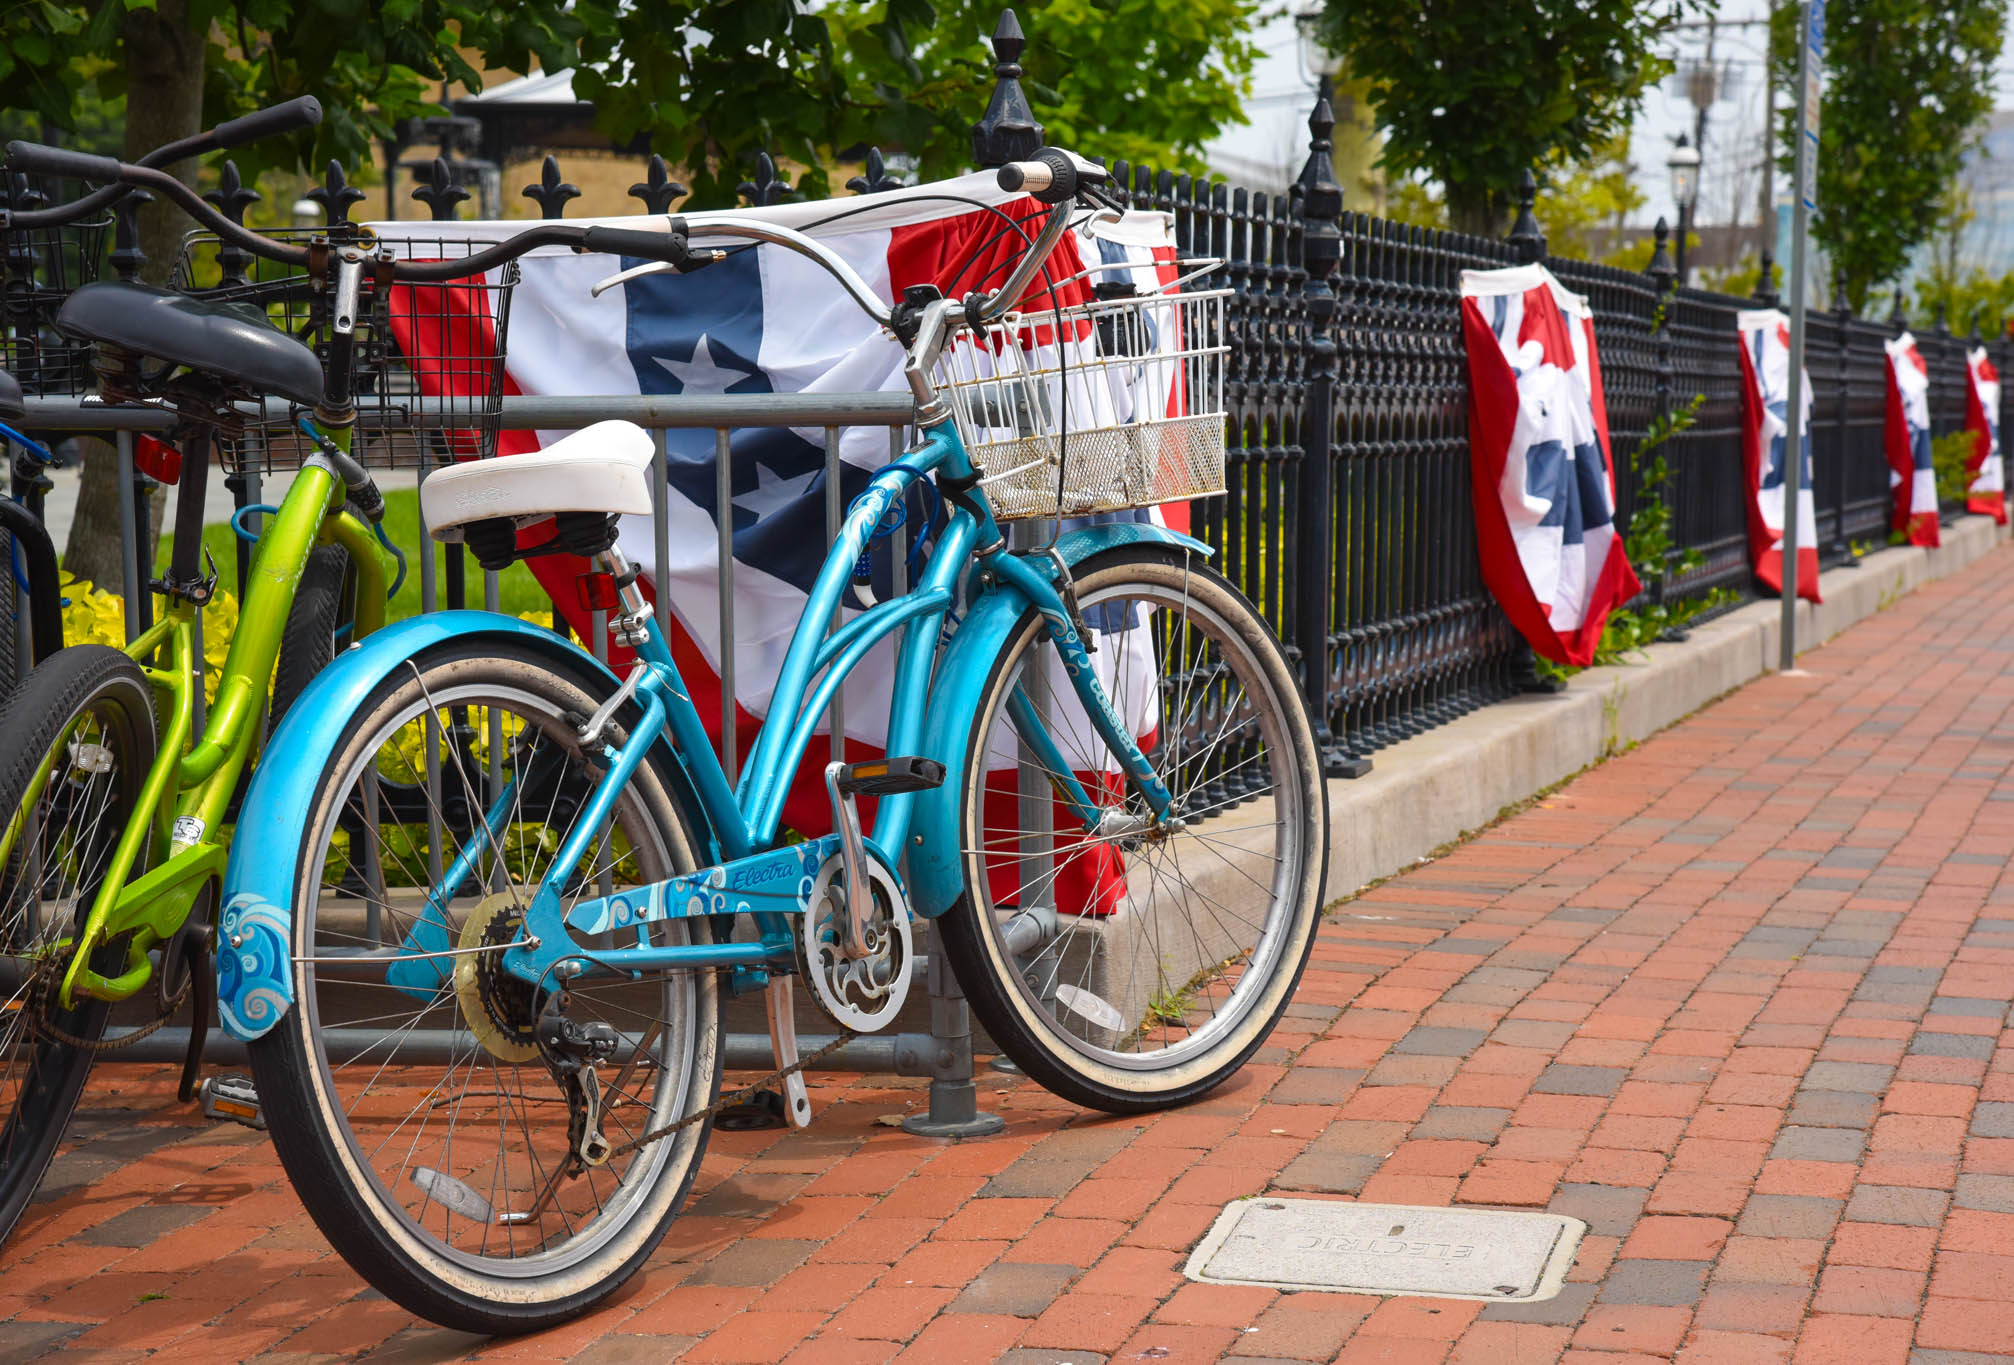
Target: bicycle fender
[936, 879]
[255, 930]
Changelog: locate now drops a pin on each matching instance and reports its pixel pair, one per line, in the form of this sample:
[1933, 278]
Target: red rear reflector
[597, 592]
[157, 459]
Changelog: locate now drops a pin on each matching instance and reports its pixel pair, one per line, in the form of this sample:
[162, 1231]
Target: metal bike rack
[944, 1054]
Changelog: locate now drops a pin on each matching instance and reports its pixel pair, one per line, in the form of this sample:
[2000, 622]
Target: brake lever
[635, 272]
[698, 260]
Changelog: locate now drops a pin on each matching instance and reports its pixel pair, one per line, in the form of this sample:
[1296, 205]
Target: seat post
[631, 628]
[185, 568]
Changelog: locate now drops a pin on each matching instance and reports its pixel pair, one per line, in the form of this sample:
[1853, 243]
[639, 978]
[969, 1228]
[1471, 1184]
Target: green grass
[518, 592]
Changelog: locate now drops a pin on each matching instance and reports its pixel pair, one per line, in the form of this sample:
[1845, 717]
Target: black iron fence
[1348, 514]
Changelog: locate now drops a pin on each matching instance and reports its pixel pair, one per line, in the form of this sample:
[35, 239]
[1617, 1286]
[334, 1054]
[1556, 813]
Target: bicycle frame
[745, 819]
[188, 789]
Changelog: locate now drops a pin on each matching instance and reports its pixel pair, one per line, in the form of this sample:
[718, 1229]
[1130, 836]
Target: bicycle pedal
[763, 1109]
[231, 1095]
[891, 776]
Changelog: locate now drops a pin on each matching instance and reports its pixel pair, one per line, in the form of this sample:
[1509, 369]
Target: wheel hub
[499, 1009]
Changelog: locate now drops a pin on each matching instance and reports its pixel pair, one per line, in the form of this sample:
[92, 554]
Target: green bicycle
[116, 778]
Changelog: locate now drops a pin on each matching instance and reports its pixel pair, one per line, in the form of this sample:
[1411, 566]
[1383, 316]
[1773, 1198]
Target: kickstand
[202, 996]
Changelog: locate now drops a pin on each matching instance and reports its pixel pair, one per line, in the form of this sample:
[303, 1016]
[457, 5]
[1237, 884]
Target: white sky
[1276, 136]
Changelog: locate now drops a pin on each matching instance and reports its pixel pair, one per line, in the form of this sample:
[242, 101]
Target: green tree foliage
[709, 82]
[1581, 208]
[715, 81]
[370, 62]
[1906, 84]
[1473, 94]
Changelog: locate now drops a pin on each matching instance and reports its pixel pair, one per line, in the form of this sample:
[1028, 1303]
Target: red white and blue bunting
[1765, 434]
[1986, 493]
[1910, 475]
[1541, 470]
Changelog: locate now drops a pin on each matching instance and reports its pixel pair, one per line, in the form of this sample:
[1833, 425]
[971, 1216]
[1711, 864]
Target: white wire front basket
[1095, 407]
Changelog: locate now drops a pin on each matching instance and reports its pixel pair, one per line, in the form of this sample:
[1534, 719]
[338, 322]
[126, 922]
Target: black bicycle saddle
[233, 340]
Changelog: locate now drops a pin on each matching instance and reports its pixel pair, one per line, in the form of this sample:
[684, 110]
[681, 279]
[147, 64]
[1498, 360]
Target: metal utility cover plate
[1499, 1255]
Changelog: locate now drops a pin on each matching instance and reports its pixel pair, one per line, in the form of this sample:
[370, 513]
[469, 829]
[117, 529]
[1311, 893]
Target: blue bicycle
[489, 1054]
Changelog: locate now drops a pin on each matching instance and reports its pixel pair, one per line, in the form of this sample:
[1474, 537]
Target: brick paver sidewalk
[1734, 998]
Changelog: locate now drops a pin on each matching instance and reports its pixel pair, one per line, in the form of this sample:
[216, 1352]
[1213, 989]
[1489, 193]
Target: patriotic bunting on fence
[1910, 475]
[765, 321]
[1542, 475]
[1765, 433]
[1986, 493]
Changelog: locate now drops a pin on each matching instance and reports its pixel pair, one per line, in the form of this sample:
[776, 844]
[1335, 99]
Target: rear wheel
[76, 740]
[413, 1108]
[1128, 962]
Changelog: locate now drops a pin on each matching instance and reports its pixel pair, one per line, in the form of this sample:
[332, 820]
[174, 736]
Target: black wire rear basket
[428, 362]
[39, 268]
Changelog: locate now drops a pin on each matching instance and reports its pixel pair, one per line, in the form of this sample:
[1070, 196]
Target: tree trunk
[164, 101]
[1476, 211]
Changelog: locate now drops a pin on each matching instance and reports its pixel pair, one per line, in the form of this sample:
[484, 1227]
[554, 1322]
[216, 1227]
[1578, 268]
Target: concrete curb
[1438, 786]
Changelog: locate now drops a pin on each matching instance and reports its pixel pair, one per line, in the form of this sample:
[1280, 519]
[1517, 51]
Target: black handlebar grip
[34, 157]
[304, 112]
[669, 247]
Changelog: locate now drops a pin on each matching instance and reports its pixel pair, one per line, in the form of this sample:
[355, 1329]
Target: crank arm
[783, 1042]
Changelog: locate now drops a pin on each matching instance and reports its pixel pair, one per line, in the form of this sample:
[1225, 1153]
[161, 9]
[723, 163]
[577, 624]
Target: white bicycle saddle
[602, 468]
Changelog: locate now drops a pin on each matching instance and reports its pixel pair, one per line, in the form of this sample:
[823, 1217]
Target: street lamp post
[1684, 168]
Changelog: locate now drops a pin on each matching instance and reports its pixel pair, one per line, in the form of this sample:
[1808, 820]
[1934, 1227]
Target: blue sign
[1815, 32]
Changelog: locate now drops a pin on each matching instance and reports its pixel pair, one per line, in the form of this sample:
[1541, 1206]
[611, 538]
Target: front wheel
[408, 1098]
[1124, 960]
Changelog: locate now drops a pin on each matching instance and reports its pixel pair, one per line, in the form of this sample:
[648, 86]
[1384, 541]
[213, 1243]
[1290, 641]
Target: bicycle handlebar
[304, 112]
[668, 246]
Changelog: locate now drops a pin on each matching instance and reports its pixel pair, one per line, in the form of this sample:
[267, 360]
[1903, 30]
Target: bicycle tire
[73, 684]
[320, 1115]
[1080, 1013]
[323, 602]
[10, 617]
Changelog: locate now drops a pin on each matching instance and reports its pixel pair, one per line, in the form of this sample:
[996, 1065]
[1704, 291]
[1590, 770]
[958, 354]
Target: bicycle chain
[736, 1096]
[36, 1007]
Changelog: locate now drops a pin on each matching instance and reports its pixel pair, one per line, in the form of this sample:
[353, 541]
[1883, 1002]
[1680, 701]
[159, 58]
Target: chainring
[861, 994]
[499, 1009]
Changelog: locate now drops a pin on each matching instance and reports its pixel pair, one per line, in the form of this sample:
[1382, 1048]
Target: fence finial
[1898, 319]
[657, 189]
[768, 187]
[441, 194]
[875, 179]
[1942, 323]
[1008, 131]
[1661, 271]
[1526, 237]
[551, 192]
[1765, 281]
[232, 197]
[1839, 299]
[335, 194]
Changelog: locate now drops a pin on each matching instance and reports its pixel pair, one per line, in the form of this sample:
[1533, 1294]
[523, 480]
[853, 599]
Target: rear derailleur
[573, 1052]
